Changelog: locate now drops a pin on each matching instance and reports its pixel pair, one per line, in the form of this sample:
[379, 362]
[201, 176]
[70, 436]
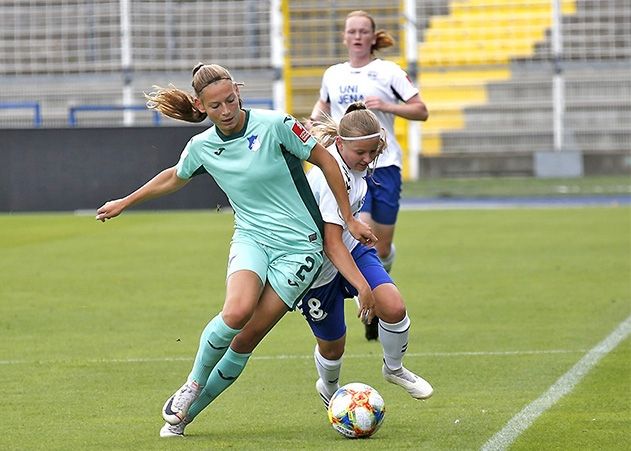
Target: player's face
[220, 100]
[358, 154]
[358, 35]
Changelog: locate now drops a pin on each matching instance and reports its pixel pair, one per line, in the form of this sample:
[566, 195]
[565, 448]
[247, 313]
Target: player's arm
[320, 107]
[413, 109]
[325, 161]
[163, 183]
[337, 252]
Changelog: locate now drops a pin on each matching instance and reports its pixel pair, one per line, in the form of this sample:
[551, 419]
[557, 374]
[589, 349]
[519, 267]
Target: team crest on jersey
[253, 143]
[300, 132]
[372, 75]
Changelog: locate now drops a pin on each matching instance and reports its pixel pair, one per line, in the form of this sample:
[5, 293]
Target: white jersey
[356, 187]
[343, 85]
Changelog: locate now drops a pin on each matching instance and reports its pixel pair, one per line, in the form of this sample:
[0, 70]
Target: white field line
[564, 385]
[292, 357]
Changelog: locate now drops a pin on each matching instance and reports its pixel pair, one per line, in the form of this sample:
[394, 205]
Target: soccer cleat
[415, 385]
[168, 430]
[324, 394]
[372, 330]
[177, 406]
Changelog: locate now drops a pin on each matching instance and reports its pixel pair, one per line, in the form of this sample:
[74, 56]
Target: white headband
[358, 138]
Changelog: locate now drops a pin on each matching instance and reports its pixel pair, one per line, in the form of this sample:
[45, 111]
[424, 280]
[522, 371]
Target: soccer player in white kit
[276, 251]
[351, 268]
[387, 91]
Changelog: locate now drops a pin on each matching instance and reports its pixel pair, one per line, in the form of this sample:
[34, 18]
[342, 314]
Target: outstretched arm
[343, 260]
[325, 161]
[164, 183]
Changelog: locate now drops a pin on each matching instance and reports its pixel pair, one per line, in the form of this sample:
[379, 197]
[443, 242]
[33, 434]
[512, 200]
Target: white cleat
[168, 430]
[415, 385]
[176, 407]
[323, 392]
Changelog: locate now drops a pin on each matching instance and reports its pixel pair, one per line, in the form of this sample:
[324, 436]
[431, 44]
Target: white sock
[389, 260]
[328, 370]
[394, 341]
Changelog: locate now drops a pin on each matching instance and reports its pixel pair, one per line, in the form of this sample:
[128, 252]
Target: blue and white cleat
[176, 407]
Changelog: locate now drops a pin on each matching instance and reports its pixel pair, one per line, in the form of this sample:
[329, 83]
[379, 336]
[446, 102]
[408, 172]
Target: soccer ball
[356, 410]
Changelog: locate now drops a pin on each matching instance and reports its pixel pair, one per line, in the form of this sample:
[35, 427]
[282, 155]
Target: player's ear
[199, 106]
[339, 143]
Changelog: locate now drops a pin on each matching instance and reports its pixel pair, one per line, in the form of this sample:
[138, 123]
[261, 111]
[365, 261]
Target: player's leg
[385, 247]
[394, 324]
[323, 308]
[382, 209]
[394, 331]
[276, 299]
[328, 361]
[246, 273]
[384, 187]
[268, 312]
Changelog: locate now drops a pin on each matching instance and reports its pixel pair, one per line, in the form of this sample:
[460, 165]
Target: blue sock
[213, 344]
[222, 376]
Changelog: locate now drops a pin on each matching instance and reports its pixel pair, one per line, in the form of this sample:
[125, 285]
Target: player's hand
[110, 210]
[362, 232]
[375, 103]
[366, 306]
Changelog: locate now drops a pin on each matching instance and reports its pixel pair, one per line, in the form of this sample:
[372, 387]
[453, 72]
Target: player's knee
[393, 312]
[236, 317]
[332, 350]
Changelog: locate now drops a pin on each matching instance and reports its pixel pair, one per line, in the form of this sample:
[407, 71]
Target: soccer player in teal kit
[276, 250]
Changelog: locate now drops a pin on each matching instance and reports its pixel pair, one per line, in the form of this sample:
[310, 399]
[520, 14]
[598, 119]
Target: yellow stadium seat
[475, 33]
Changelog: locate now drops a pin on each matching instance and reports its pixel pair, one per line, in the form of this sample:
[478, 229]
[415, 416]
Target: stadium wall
[481, 164]
[80, 169]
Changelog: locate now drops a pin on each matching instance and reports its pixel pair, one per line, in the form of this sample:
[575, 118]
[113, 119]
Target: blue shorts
[383, 195]
[323, 307]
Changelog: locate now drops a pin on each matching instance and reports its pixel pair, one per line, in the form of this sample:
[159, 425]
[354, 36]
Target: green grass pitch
[99, 324]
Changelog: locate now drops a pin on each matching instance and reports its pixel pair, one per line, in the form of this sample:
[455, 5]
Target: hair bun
[355, 106]
[197, 67]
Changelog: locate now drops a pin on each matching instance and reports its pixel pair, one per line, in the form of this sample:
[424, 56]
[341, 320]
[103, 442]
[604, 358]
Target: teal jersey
[260, 170]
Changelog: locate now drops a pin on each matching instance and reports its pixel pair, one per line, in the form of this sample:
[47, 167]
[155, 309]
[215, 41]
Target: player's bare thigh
[243, 290]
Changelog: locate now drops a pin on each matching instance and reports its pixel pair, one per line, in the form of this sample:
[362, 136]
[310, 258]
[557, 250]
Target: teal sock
[221, 377]
[213, 344]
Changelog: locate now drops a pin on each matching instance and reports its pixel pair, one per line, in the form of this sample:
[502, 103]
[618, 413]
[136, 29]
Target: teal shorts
[289, 274]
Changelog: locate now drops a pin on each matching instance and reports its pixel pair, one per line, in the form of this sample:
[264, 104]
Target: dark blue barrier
[66, 169]
[37, 111]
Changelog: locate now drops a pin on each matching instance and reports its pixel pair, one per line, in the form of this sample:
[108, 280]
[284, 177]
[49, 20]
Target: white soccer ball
[356, 410]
